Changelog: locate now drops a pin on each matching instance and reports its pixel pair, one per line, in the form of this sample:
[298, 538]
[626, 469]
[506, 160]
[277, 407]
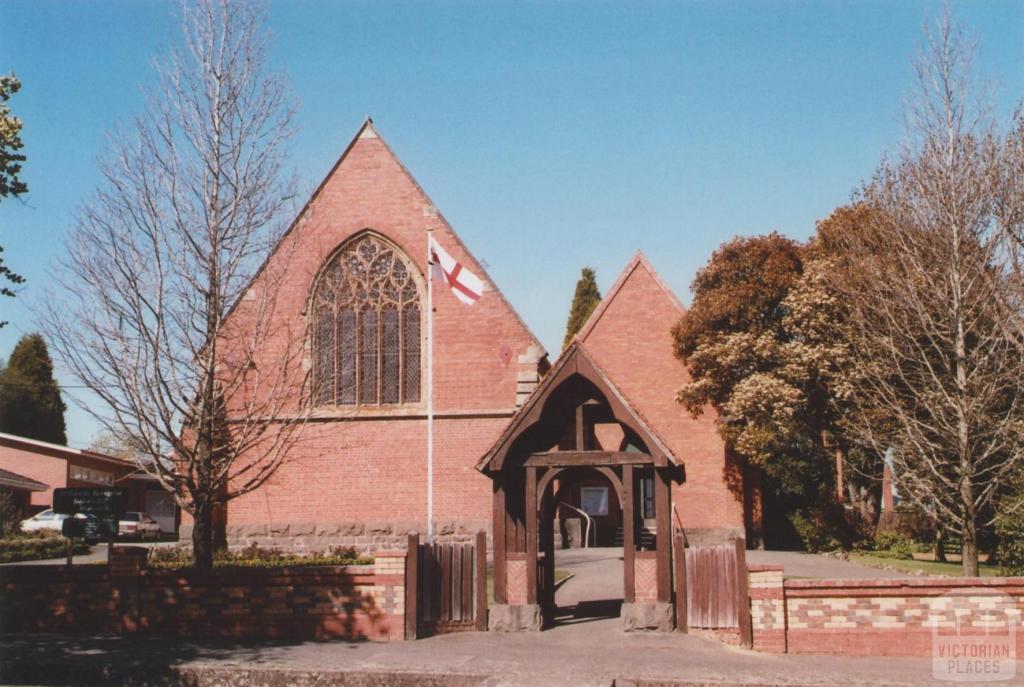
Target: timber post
[412, 578]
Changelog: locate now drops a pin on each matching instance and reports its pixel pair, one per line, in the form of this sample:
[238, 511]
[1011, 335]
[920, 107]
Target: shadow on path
[588, 611]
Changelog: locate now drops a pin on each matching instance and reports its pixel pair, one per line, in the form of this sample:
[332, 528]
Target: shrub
[253, 556]
[9, 515]
[890, 544]
[814, 535]
[1010, 551]
[34, 546]
[829, 528]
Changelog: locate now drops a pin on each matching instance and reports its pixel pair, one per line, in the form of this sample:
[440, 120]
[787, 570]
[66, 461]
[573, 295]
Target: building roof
[638, 260]
[572, 359]
[13, 480]
[58, 451]
[366, 131]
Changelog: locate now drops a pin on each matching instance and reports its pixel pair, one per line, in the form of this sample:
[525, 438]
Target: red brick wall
[360, 473]
[343, 602]
[515, 574]
[645, 577]
[630, 338]
[894, 617]
[42, 468]
[52, 467]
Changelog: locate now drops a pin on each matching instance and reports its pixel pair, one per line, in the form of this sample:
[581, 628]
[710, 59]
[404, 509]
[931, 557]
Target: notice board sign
[103, 503]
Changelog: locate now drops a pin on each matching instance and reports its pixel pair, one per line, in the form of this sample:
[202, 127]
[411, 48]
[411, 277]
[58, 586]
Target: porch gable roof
[575, 360]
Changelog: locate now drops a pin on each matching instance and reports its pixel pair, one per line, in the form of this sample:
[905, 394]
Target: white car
[138, 525]
[46, 520]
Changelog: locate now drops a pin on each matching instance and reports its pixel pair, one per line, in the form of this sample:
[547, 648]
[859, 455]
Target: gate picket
[713, 586]
[451, 588]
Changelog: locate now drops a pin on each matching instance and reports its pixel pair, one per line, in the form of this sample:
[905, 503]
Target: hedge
[34, 547]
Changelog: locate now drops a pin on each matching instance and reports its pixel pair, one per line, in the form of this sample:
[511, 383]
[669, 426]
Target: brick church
[356, 286]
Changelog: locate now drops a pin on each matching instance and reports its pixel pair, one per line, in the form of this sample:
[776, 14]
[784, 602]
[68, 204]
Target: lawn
[927, 567]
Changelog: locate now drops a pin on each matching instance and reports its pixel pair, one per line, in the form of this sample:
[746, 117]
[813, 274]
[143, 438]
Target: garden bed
[36, 546]
[255, 557]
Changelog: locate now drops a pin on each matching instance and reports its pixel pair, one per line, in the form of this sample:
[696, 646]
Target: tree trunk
[940, 544]
[969, 547]
[202, 536]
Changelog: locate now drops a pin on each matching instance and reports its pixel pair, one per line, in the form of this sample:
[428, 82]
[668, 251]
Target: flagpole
[430, 388]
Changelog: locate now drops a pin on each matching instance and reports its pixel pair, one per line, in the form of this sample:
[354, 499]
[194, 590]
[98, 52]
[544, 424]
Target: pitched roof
[13, 480]
[638, 260]
[56, 450]
[555, 376]
[369, 130]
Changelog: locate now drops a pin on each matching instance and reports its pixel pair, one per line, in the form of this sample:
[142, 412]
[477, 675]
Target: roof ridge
[638, 259]
[575, 347]
[38, 443]
[369, 126]
[455, 235]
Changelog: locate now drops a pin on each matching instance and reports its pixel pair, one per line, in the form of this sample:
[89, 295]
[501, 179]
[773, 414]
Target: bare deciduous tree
[934, 319]
[158, 313]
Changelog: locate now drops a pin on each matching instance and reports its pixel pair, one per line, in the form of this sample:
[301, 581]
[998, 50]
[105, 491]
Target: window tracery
[366, 327]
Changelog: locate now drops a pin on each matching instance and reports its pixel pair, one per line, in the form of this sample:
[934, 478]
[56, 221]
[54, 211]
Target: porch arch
[557, 430]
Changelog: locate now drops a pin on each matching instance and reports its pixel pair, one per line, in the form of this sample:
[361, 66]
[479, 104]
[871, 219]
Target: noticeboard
[98, 510]
[89, 528]
[105, 503]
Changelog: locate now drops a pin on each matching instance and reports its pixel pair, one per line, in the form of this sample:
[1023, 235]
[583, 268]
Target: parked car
[135, 524]
[48, 520]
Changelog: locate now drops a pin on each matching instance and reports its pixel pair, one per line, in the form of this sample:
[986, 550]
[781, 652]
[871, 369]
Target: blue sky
[552, 135]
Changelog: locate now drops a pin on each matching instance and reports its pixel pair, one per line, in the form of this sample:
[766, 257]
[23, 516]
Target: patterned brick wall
[515, 574]
[899, 617]
[328, 602]
[645, 577]
[767, 608]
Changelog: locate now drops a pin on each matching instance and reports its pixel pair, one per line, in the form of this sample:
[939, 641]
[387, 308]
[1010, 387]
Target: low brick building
[19, 490]
[56, 467]
[356, 289]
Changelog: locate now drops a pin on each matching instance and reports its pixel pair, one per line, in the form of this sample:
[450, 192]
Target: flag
[466, 286]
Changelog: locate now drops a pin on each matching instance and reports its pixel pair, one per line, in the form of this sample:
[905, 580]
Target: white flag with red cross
[466, 286]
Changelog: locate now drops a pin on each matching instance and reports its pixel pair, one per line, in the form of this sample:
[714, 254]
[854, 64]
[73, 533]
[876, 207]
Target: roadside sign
[105, 503]
[89, 528]
[98, 509]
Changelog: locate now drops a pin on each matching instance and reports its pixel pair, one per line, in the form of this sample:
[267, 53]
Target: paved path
[812, 565]
[596, 653]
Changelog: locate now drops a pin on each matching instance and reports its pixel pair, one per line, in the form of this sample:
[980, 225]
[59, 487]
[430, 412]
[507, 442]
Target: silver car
[138, 525]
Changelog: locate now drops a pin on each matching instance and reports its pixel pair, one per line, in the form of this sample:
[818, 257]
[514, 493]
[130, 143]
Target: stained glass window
[366, 328]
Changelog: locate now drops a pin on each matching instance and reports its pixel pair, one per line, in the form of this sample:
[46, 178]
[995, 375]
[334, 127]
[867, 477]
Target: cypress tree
[584, 301]
[30, 402]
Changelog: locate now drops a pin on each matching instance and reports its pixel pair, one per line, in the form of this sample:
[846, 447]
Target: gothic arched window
[366, 327]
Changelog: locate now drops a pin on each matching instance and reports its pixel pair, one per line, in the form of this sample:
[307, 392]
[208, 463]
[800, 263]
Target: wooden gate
[446, 587]
[712, 588]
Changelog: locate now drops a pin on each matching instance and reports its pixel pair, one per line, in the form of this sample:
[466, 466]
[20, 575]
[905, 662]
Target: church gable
[478, 350]
[629, 335]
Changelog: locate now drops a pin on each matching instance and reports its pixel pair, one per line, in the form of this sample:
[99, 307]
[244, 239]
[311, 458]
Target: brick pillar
[767, 608]
[528, 374]
[887, 497]
[125, 567]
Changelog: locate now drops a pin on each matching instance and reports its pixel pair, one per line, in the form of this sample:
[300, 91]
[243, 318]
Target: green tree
[30, 401]
[10, 168]
[762, 341]
[584, 301]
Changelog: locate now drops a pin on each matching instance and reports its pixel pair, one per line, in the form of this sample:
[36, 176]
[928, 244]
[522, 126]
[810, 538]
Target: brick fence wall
[322, 602]
[893, 617]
